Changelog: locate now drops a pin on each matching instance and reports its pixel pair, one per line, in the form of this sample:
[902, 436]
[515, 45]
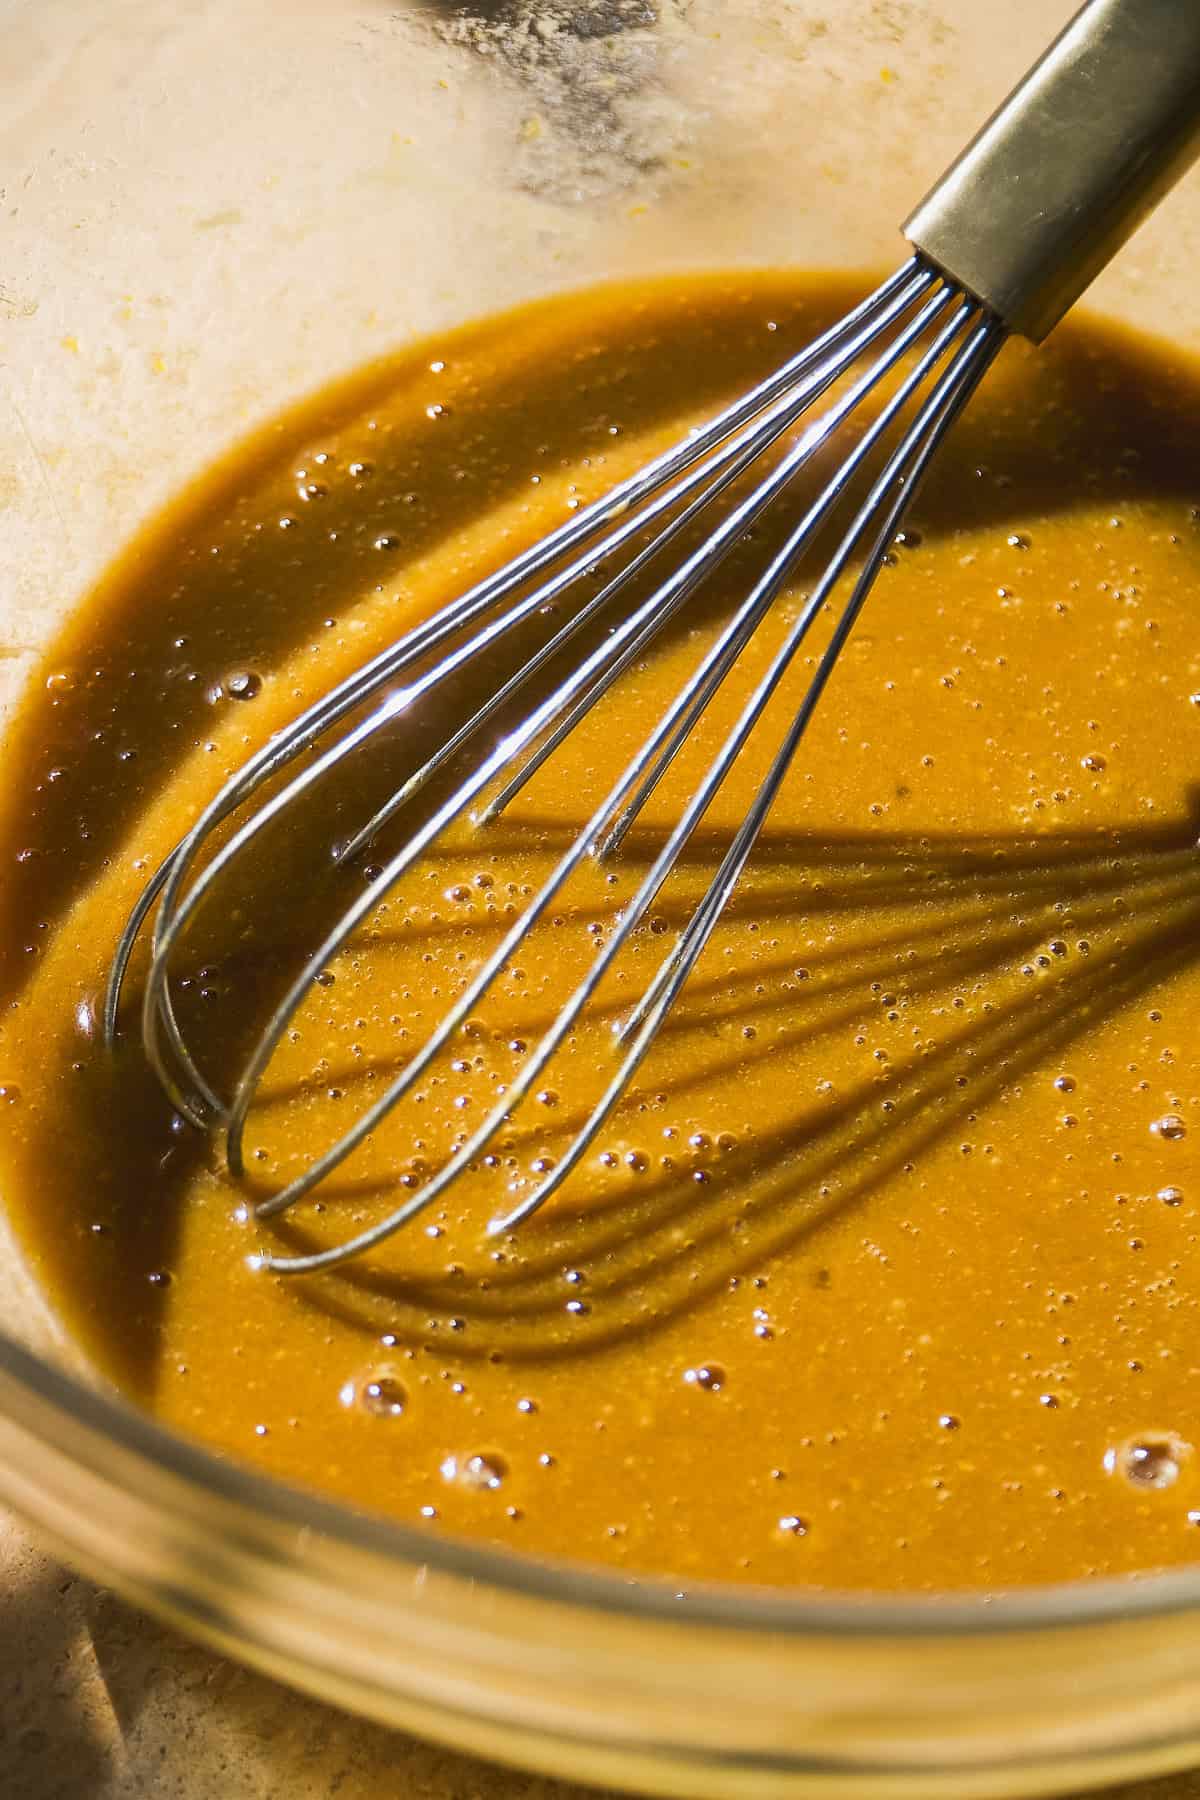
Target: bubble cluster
[709, 1376]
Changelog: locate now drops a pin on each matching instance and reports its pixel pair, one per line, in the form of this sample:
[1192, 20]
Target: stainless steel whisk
[1005, 242]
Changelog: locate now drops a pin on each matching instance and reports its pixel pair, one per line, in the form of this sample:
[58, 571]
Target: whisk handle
[1071, 163]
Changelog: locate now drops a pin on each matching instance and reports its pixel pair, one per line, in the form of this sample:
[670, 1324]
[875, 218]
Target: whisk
[1005, 242]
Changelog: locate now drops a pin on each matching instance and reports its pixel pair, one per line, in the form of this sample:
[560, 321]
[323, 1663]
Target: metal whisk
[1005, 242]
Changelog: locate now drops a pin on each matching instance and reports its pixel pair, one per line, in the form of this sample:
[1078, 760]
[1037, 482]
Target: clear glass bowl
[208, 211]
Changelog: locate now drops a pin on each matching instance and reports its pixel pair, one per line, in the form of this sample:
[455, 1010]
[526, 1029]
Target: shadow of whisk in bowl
[1007, 954]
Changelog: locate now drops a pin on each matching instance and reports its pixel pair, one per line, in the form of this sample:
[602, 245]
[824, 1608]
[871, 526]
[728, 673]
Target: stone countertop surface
[99, 1702]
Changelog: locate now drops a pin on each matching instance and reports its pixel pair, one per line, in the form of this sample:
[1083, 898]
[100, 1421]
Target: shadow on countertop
[99, 1702]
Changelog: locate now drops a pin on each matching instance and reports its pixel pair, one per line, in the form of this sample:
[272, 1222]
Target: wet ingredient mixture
[884, 1273]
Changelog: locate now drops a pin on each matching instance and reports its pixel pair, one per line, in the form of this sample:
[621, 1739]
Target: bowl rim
[742, 1607]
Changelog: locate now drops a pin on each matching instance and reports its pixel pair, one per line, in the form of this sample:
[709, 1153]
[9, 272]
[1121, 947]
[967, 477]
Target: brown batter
[884, 1273]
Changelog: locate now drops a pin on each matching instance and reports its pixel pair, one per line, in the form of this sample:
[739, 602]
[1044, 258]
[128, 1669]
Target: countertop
[98, 1702]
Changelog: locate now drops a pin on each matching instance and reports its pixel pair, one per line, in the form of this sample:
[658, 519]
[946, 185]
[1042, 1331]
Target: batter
[884, 1274]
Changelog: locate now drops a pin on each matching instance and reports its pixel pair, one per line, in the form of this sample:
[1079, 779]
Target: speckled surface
[98, 1702]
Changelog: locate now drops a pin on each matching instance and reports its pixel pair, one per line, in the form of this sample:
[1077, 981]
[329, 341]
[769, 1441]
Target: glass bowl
[211, 210]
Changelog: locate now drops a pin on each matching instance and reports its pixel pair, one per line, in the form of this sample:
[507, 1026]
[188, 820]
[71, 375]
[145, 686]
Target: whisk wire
[189, 1090]
[918, 318]
[654, 611]
[908, 281]
[905, 472]
[902, 472]
[720, 470]
[767, 588]
[708, 555]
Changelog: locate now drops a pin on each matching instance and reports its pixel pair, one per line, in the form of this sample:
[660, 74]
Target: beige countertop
[98, 1702]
